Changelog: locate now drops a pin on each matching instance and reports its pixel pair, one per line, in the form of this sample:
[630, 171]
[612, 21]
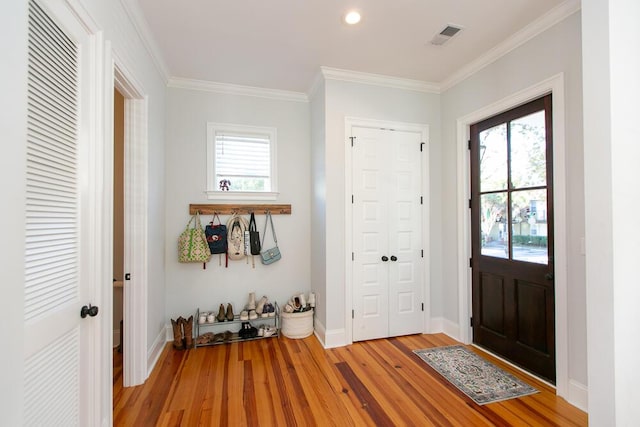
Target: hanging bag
[217, 239]
[254, 236]
[236, 226]
[192, 243]
[269, 256]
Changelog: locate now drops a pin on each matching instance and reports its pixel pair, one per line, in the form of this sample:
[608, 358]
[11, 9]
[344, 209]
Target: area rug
[479, 379]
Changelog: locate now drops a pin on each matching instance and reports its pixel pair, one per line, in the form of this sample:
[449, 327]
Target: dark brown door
[512, 236]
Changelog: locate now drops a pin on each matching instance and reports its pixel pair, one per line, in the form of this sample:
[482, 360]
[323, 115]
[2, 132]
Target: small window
[241, 162]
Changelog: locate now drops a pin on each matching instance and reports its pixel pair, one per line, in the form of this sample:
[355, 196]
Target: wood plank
[280, 381]
[240, 209]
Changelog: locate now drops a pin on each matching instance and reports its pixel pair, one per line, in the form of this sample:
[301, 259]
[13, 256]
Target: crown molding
[379, 80]
[546, 21]
[233, 89]
[132, 9]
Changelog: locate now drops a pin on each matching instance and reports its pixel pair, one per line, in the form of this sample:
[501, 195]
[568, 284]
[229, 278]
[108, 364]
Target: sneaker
[261, 331]
[253, 315]
[269, 331]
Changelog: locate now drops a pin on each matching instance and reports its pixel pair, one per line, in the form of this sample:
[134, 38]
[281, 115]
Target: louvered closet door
[55, 389]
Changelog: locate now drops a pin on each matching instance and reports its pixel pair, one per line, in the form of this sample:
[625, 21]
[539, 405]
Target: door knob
[394, 258]
[385, 258]
[91, 311]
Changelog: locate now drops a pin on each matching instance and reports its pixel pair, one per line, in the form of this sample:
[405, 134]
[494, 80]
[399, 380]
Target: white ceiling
[281, 44]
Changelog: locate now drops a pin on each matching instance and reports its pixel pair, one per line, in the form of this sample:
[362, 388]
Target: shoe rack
[221, 329]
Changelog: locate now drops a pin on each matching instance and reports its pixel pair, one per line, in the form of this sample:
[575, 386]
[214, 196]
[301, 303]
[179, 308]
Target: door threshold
[513, 365]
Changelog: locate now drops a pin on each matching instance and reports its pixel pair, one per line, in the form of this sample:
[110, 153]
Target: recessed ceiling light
[352, 18]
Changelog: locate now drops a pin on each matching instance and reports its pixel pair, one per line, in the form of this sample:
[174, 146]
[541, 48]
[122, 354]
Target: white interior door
[59, 349]
[387, 233]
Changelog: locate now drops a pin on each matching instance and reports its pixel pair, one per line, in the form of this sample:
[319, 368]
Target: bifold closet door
[387, 233]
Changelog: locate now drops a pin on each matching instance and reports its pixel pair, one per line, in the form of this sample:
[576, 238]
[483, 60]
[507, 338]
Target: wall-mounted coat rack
[229, 209]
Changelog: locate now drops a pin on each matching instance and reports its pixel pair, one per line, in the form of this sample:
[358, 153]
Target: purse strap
[195, 218]
[215, 216]
[252, 223]
[273, 230]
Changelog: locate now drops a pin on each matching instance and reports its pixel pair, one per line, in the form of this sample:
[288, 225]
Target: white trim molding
[555, 86]
[234, 89]
[378, 80]
[546, 21]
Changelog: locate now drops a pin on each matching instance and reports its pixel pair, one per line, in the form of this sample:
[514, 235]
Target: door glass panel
[529, 226]
[493, 158]
[528, 151]
[493, 219]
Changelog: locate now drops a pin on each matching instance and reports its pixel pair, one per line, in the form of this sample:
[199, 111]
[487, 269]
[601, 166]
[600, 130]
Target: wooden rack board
[230, 209]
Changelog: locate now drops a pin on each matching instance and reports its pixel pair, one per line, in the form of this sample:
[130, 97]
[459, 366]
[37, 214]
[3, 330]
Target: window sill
[242, 195]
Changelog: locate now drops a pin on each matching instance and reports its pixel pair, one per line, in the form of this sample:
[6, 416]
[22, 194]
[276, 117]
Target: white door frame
[348, 191]
[135, 224]
[554, 85]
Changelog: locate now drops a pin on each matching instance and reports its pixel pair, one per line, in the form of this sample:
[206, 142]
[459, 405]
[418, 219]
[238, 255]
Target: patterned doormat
[479, 379]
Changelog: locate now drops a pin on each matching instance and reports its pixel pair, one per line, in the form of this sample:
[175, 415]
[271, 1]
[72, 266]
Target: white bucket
[297, 325]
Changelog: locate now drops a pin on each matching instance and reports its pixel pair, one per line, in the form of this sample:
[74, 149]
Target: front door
[387, 233]
[512, 236]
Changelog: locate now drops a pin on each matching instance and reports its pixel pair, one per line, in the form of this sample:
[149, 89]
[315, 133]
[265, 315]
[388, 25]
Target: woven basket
[297, 325]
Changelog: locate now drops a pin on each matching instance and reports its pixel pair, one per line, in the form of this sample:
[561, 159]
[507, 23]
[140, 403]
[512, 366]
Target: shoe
[253, 315]
[269, 331]
[221, 314]
[261, 331]
[227, 336]
[288, 308]
[230, 315]
[268, 309]
[296, 303]
[244, 315]
[303, 302]
[312, 299]
[177, 333]
[252, 301]
[261, 303]
[187, 326]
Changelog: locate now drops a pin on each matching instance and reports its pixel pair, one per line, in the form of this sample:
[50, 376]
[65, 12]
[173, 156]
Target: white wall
[611, 66]
[318, 202]
[188, 285]
[345, 99]
[13, 86]
[554, 51]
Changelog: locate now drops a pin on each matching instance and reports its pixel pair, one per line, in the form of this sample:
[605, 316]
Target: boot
[230, 312]
[252, 301]
[177, 334]
[187, 326]
[221, 315]
[261, 304]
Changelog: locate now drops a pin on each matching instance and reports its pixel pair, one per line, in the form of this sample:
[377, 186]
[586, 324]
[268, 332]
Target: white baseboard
[153, 354]
[329, 339]
[440, 325]
[578, 395]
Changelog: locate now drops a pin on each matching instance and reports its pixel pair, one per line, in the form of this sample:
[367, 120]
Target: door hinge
[471, 262]
[471, 322]
[421, 253]
[469, 147]
[352, 199]
[353, 314]
[353, 256]
[469, 203]
[352, 138]
[420, 199]
[421, 145]
[422, 306]
[127, 276]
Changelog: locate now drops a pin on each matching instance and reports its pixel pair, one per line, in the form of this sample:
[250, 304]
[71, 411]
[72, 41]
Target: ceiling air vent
[445, 35]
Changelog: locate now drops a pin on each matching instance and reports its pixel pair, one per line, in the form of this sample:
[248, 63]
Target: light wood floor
[285, 382]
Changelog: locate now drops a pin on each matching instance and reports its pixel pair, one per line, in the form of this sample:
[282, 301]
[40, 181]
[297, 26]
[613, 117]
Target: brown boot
[229, 315]
[187, 326]
[177, 334]
[221, 315]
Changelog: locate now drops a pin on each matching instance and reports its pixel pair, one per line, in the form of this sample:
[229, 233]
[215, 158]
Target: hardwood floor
[285, 382]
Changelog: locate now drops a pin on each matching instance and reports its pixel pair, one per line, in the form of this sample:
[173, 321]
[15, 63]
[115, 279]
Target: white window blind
[244, 160]
[241, 162]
